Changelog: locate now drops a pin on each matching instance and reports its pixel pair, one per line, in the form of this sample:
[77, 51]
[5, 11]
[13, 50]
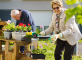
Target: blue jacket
[26, 18]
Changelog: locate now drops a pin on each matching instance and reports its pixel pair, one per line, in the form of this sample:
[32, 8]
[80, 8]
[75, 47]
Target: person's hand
[54, 37]
[42, 33]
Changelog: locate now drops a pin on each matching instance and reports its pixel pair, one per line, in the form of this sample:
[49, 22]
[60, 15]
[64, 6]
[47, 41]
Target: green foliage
[39, 51]
[76, 57]
[79, 16]
[51, 48]
[10, 27]
[29, 28]
[70, 12]
[81, 0]
[23, 28]
[18, 28]
[80, 41]
[37, 31]
[29, 35]
[71, 2]
[1, 37]
[79, 19]
[77, 11]
[2, 33]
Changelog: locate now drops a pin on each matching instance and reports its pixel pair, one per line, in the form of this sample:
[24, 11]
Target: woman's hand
[42, 33]
[54, 37]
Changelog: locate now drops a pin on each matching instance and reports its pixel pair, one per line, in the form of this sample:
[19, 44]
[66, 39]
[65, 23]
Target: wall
[29, 5]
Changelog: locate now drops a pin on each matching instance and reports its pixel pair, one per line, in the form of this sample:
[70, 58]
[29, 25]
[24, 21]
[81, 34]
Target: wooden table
[14, 54]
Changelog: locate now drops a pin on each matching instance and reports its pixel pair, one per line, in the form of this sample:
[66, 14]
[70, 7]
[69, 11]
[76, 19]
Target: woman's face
[57, 8]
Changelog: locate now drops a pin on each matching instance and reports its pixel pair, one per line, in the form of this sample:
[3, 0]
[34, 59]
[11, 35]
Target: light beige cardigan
[69, 30]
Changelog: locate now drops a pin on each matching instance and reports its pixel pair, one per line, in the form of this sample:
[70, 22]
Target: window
[38, 27]
[45, 27]
[5, 13]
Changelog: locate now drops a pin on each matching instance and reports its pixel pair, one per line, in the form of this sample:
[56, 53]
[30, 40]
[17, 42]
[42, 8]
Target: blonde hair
[59, 2]
[14, 12]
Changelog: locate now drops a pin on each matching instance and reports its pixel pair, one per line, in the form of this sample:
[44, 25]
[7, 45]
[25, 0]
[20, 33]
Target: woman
[66, 34]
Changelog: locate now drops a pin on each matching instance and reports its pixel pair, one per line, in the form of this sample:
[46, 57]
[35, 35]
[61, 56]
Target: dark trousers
[61, 45]
[22, 49]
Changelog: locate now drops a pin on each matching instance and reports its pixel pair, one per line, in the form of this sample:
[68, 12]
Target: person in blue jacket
[25, 17]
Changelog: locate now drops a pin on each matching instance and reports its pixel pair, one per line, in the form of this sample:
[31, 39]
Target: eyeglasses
[55, 8]
[15, 17]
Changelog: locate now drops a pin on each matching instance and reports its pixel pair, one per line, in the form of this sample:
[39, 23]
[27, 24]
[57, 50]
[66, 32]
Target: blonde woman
[66, 35]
